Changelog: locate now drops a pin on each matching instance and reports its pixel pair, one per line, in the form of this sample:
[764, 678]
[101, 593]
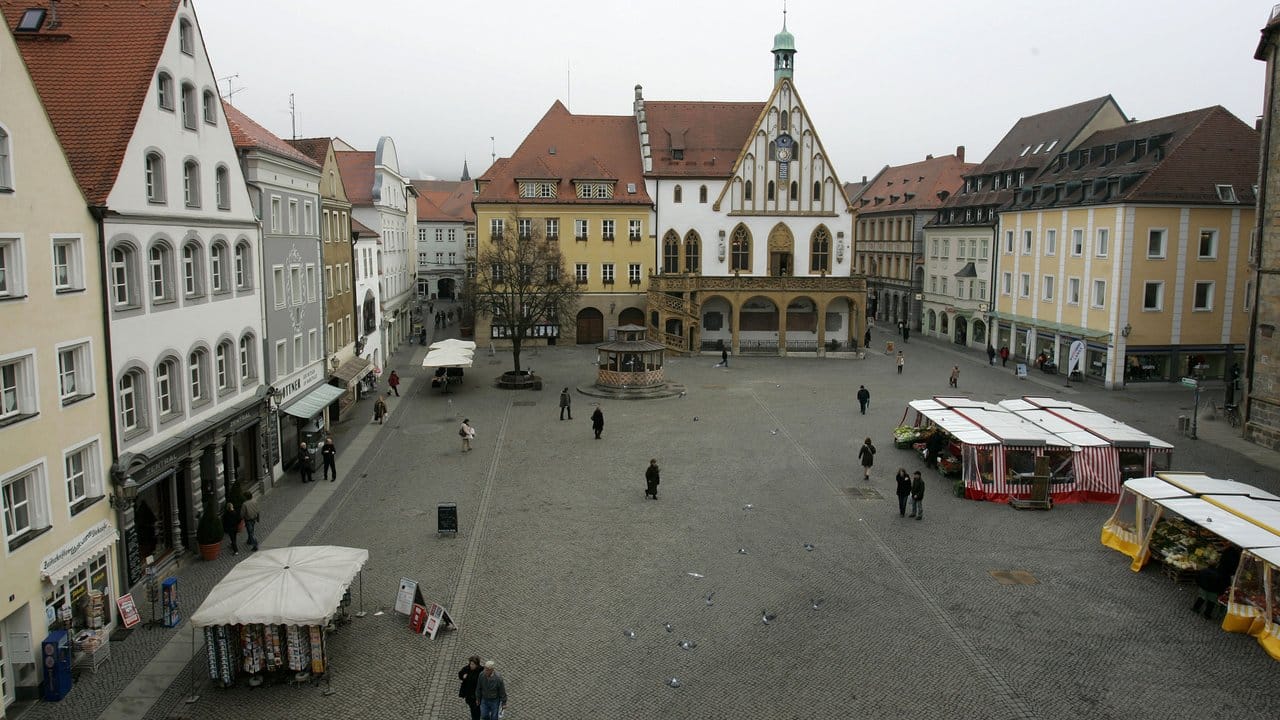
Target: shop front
[300, 402]
[347, 379]
[79, 593]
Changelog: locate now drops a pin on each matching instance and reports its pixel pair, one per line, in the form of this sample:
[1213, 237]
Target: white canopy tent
[452, 344]
[286, 586]
[447, 358]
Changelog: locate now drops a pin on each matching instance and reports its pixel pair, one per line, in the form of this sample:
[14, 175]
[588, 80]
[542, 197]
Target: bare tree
[521, 284]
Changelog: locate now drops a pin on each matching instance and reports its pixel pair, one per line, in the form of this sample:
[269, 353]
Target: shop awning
[352, 370]
[1052, 327]
[70, 558]
[312, 403]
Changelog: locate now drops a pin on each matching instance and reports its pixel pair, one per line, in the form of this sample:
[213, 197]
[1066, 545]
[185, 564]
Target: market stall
[1088, 470]
[1253, 604]
[997, 448]
[268, 617]
[1136, 454]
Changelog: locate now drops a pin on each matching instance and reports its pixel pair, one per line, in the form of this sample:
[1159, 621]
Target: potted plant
[209, 533]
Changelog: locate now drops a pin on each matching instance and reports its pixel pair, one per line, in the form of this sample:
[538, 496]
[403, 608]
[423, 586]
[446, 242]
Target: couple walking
[566, 407]
[910, 486]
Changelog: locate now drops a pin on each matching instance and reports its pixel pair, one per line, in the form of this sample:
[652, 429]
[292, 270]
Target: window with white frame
[275, 214]
[25, 505]
[299, 359]
[198, 376]
[933, 248]
[960, 288]
[422, 232]
[1027, 238]
[982, 289]
[606, 230]
[296, 292]
[1099, 298]
[943, 286]
[153, 177]
[1008, 242]
[1101, 242]
[218, 267]
[282, 359]
[453, 258]
[1077, 242]
[1208, 248]
[243, 273]
[579, 229]
[312, 292]
[313, 345]
[186, 37]
[439, 258]
[580, 273]
[122, 269]
[973, 249]
[210, 108]
[131, 401]
[168, 395]
[633, 273]
[17, 387]
[633, 230]
[496, 228]
[982, 249]
[328, 281]
[1156, 242]
[1203, 297]
[82, 472]
[192, 271]
[1153, 296]
[1025, 285]
[1050, 242]
[190, 107]
[1073, 291]
[6, 168]
[293, 216]
[453, 234]
[329, 336]
[67, 265]
[246, 357]
[1046, 283]
[308, 219]
[11, 266]
[222, 188]
[524, 228]
[1006, 283]
[75, 372]
[946, 248]
[933, 283]
[164, 90]
[606, 273]
[159, 273]
[471, 239]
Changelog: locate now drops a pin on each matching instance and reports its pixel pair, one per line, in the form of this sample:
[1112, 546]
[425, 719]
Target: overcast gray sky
[885, 82]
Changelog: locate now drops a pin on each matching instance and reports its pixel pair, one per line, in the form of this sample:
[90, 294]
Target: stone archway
[802, 324]
[758, 324]
[962, 330]
[781, 251]
[445, 288]
[933, 321]
[943, 325]
[631, 316]
[590, 326]
[369, 313]
[979, 332]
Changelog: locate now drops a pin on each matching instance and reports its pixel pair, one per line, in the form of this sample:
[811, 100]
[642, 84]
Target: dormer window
[1025, 150]
[595, 190]
[1050, 145]
[186, 37]
[537, 189]
[677, 154]
[31, 21]
[1226, 193]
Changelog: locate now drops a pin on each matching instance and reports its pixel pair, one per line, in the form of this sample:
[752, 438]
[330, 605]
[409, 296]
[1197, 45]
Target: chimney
[54, 22]
[864, 179]
[928, 157]
[960, 153]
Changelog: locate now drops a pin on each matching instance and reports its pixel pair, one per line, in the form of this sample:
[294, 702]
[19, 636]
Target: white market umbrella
[285, 586]
[448, 358]
[452, 343]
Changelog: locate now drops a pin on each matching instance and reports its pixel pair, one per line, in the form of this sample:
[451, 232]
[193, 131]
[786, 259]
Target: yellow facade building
[1135, 244]
[576, 180]
[55, 429]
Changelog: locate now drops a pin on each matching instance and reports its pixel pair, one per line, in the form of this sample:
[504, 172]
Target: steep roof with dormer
[698, 139]
[93, 64]
[356, 169]
[445, 200]
[918, 186]
[567, 148]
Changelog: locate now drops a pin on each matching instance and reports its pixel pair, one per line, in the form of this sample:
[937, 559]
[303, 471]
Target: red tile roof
[913, 187]
[356, 168]
[93, 73]
[362, 230]
[565, 147]
[315, 148]
[711, 134]
[445, 200]
[247, 134]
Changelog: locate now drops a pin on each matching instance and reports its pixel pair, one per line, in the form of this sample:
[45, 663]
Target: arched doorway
[445, 288]
[802, 324]
[631, 316]
[781, 251]
[942, 324]
[979, 332]
[590, 326]
[933, 321]
[962, 331]
[758, 324]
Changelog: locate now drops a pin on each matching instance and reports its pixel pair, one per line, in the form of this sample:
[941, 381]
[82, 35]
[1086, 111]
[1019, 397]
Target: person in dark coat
[651, 479]
[991, 355]
[231, 526]
[597, 422]
[864, 398]
[468, 675]
[866, 339]
[933, 447]
[904, 489]
[1215, 580]
[917, 496]
[394, 383]
[566, 404]
[867, 456]
[304, 462]
[329, 454]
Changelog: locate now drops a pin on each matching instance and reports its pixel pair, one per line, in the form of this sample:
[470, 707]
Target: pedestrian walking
[866, 339]
[1004, 356]
[597, 422]
[329, 454]
[467, 433]
[906, 332]
[231, 526]
[651, 479]
[904, 490]
[867, 456]
[566, 404]
[380, 409]
[394, 382]
[304, 462]
[469, 674]
[917, 496]
[491, 693]
[724, 357]
[901, 362]
[955, 376]
[991, 355]
[864, 398]
[249, 511]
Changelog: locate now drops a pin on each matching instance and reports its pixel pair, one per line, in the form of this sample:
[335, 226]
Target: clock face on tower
[784, 154]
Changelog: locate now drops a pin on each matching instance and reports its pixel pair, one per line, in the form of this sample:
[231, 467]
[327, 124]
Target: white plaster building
[445, 217]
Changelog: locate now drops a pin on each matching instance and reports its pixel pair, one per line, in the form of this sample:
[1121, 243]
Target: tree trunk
[515, 353]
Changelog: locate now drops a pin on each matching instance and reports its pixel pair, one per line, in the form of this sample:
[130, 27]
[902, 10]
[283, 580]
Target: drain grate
[1013, 577]
[524, 403]
[863, 493]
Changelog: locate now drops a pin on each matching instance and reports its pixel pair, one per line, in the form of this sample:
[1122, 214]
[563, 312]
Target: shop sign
[312, 375]
[417, 617]
[408, 595]
[128, 610]
[83, 543]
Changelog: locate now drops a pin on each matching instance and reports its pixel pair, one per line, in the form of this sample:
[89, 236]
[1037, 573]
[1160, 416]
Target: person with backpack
[867, 456]
[467, 433]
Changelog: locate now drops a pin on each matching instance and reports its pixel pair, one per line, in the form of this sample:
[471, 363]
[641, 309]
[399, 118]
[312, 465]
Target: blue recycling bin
[169, 602]
[55, 654]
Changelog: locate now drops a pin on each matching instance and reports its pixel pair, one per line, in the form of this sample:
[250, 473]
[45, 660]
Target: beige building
[55, 428]
[1135, 243]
